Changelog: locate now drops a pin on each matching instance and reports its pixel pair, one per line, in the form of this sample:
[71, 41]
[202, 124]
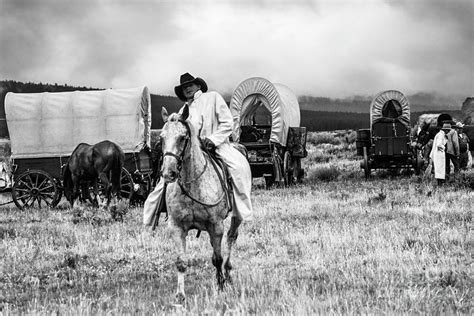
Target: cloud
[331, 48]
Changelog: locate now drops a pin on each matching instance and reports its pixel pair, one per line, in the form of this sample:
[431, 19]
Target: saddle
[224, 177]
[223, 174]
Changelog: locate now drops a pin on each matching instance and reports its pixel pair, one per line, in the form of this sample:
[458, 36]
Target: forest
[317, 113]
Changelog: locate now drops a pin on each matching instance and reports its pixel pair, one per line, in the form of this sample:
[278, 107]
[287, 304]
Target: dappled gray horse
[195, 196]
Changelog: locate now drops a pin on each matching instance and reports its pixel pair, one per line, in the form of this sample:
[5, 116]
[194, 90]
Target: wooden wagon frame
[46, 127]
[267, 122]
[388, 144]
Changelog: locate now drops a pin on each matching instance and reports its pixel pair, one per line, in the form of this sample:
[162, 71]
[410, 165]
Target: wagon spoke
[39, 201]
[51, 194]
[23, 196]
[42, 182]
[22, 190]
[48, 187]
[45, 199]
[28, 200]
[29, 177]
[26, 184]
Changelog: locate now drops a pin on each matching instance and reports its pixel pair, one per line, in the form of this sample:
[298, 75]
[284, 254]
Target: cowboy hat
[459, 125]
[446, 126]
[185, 79]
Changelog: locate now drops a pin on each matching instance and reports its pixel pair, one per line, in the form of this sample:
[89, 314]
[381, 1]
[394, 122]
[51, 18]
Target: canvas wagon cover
[53, 124]
[377, 106]
[468, 111]
[280, 101]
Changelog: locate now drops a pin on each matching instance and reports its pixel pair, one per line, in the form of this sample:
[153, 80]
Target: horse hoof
[180, 300]
[220, 283]
[228, 278]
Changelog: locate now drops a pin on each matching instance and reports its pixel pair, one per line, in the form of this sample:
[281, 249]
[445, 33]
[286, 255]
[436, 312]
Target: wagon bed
[267, 122]
[46, 127]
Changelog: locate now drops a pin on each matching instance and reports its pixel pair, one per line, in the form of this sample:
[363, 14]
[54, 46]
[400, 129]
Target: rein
[180, 159]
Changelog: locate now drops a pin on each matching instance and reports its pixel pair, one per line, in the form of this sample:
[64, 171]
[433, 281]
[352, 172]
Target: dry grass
[322, 247]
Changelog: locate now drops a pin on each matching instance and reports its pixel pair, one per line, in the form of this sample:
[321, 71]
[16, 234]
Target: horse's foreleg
[179, 237]
[232, 235]
[75, 189]
[216, 234]
[95, 188]
[105, 180]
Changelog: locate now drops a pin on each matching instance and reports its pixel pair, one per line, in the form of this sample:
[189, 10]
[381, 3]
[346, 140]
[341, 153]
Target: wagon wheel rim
[366, 164]
[277, 170]
[287, 169]
[35, 187]
[297, 173]
[126, 186]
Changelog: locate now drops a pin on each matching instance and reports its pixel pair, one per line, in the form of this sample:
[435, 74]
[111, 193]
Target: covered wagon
[267, 122]
[387, 144]
[467, 110]
[46, 127]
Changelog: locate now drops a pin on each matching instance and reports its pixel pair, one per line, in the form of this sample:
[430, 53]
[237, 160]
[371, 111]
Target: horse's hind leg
[115, 179]
[232, 235]
[216, 232]
[105, 180]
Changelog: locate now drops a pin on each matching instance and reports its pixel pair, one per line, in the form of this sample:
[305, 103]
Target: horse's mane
[176, 117]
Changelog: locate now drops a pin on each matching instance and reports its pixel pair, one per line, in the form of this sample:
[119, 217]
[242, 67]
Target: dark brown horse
[87, 164]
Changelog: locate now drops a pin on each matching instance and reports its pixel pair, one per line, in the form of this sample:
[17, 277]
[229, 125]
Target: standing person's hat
[187, 78]
[446, 126]
[459, 125]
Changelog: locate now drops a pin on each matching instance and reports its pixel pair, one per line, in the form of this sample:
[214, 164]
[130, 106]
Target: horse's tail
[116, 170]
[68, 184]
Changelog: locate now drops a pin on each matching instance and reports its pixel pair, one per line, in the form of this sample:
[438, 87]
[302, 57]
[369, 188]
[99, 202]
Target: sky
[335, 48]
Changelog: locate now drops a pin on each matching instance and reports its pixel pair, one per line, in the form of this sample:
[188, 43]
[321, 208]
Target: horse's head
[175, 138]
[423, 136]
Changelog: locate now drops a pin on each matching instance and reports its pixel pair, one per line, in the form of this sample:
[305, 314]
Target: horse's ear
[164, 114]
[185, 113]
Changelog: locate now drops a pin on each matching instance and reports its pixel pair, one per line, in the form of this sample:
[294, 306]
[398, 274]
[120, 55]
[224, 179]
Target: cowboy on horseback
[209, 114]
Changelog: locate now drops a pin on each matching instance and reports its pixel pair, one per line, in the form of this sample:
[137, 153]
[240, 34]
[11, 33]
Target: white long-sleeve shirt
[210, 115]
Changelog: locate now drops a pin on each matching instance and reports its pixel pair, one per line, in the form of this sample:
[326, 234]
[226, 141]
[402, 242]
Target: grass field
[334, 244]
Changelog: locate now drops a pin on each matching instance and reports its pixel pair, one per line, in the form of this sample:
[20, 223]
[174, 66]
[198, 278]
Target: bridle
[180, 157]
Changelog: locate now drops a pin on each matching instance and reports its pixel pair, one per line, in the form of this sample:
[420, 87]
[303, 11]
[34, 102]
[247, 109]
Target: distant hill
[317, 113]
[28, 87]
[330, 121]
[419, 102]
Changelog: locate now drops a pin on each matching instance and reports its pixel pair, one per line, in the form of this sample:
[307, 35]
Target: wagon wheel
[269, 181]
[277, 170]
[288, 168]
[297, 171]
[366, 164]
[35, 187]
[126, 186]
[417, 164]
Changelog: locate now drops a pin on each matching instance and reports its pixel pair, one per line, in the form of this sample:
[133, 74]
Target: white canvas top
[53, 124]
[468, 111]
[277, 98]
[379, 101]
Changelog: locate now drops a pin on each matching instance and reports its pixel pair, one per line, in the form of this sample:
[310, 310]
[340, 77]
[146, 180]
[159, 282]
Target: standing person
[210, 115]
[438, 153]
[452, 151]
[463, 146]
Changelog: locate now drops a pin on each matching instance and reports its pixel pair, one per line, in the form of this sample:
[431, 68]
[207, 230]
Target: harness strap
[168, 153]
[196, 200]
[221, 179]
